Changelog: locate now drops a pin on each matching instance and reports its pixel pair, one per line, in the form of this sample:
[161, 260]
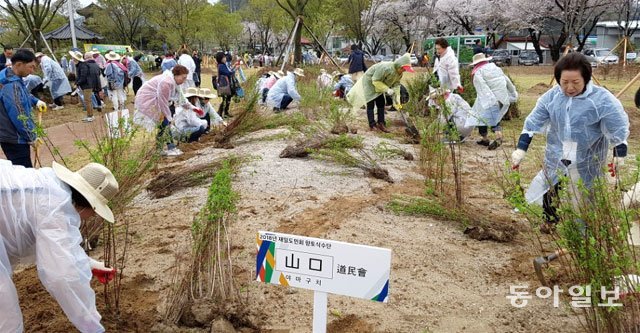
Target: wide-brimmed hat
[206, 93]
[76, 55]
[95, 182]
[336, 73]
[39, 54]
[112, 56]
[190, 92]
[298, 72]
[478, 58]
[95, 50]
[278, 74]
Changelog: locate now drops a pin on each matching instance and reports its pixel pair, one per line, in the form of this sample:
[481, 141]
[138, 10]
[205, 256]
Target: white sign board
[323, 265]
[632, 55]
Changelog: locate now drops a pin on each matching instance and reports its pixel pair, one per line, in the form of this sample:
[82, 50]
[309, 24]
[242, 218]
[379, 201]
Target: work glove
[613, 167]
[390, 92]
[199, 112]
[36, 143]
[460, 89]
[100, 271]
[224, 123]
[41, 106]
[516, 157]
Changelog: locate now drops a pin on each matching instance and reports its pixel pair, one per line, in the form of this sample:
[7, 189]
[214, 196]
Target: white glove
[517, 156]
[98, 265]
[390, 92]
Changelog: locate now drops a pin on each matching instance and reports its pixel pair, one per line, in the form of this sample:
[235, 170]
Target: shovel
[410, 129]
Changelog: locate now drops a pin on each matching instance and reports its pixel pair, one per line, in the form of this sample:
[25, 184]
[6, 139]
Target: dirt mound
[350, 324]
[539, 88]
[497, 233]
[43, 314]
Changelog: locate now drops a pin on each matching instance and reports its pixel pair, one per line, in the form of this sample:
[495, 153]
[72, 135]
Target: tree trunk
[535, 40]
[297, 58]
[556, 46]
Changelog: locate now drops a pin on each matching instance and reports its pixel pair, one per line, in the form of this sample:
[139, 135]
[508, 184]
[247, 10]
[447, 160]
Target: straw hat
[39, 54]
[190, 92]
[95, 182]
[95, 51]
[76, 55]
[112, 56]
[336, 73]
[278, 74]
[478, 58]
[298, 72]
[206, 93]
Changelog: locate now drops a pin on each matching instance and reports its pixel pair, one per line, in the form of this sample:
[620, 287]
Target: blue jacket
[356, 62]
[115, 75]
[16, 123]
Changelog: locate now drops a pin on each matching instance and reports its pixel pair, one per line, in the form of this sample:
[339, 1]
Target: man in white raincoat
[40, 215]
[447, 67]
[495, 93]
[54, 78]
[187, 61]
[284, 91]
[581, 121]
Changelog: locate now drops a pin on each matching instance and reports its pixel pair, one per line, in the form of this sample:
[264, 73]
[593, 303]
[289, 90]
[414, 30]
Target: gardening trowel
[541, 263]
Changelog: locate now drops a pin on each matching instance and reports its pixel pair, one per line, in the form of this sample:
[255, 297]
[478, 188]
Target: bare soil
[441, 279]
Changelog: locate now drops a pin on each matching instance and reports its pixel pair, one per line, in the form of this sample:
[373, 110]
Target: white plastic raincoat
[284, 86]
[578, 129]
[38, 221]
[186, 61]
[460, 110]
[54, 74]
[448, 70]
[186, 121]
[492, 87]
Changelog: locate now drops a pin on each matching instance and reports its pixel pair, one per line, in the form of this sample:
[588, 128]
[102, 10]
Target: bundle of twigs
[363, 161]
[305, 146]
[242, 123]
[170, 181]
[210, 271]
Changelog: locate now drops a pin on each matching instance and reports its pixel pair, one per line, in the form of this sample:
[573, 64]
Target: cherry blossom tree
[407, 18]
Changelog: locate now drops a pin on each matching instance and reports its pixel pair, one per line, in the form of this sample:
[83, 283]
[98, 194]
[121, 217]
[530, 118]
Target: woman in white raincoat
[457, 116]
[152, 105]
[494, 94]
[54, 78]
[284, 91]
[40, 215]
[580, 121]
[447, 67]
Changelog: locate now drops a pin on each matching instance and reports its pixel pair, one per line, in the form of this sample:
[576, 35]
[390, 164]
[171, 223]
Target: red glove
[101, 272]
[612, 169]
[199, 112]
[460, 89]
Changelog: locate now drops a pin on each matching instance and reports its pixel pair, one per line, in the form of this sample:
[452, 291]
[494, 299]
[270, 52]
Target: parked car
[602, 55]
[501, 57]
[528, 58]
[414, 60]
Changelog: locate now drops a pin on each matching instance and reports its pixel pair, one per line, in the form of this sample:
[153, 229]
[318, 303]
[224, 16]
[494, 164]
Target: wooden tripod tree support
[290, 41]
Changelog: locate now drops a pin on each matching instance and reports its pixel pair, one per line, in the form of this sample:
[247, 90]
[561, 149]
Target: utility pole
[72, 23]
